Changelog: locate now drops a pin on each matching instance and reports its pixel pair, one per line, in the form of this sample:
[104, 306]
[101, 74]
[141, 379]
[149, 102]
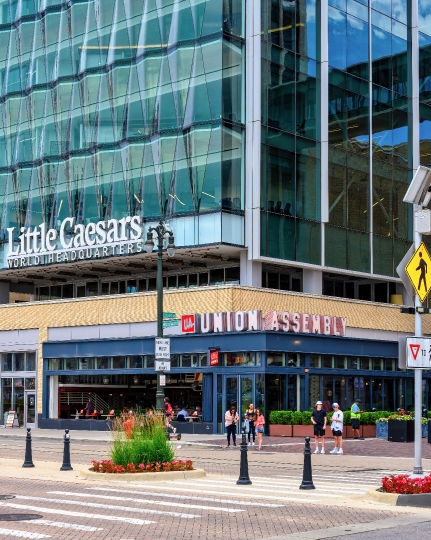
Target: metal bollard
[307, 480]
[28, 460]
[243, 471]
[66, 453]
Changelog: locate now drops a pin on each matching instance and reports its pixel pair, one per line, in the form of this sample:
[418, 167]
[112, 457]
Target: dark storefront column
[207, 397]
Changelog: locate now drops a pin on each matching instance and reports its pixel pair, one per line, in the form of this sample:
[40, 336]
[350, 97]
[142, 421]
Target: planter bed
[280, 430]
[420, 500]
[401, 430]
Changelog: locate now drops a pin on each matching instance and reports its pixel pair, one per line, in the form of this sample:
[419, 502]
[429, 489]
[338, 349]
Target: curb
[144, 477]
[419, 500]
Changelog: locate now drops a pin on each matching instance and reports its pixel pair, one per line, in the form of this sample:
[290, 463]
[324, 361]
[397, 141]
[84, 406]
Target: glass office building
[277, 139]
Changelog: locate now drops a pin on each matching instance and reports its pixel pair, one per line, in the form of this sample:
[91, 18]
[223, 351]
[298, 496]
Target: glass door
[238, 392]
[30, 409]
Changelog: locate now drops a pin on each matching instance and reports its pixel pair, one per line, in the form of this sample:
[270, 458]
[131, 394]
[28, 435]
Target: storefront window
[340, 362]
[239, 359]
[149, 359]
[260, 391]
[275, 392]
[18, 384]
[389, 365]
[118, 362]
[327, 362]
[365, 363]
[31, 361]
[102, 362]
[377, 363]
[71, 363]
[314, 360]
[292, 391]
[275, 359]
[189, 360]
[295, 360]
[219, 403]
[353, 363]
[340, 392]
[136, 362]
[19, 361]
[86, 363]
[6, 399]
[30, 383]
[313, 389]
[175, 360]
[55, 363]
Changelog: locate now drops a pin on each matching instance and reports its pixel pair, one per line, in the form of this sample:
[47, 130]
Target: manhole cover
[19, 517]
[4, 497]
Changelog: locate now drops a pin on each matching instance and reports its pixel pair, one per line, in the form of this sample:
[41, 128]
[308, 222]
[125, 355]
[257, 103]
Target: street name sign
[163, 348]
[419, 271]
[162, 365]
[418, 353]
[169, 315]
[169, 324]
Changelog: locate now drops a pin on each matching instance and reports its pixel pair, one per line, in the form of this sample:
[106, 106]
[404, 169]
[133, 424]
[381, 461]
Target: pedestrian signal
[419, 271]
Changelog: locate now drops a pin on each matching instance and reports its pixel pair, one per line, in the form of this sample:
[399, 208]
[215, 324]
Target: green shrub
[280, 417]
[306, 418]
[366, 418]
[297, 418]
[347, 418]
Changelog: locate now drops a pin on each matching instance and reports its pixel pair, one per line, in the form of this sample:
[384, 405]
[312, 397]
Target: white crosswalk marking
[270, 486]
[148, 501]
[86, 515]
[184, 497]
[107, 506]
[62, 525]
[22, 534]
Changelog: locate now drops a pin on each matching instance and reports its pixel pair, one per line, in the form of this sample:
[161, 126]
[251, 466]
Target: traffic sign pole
[418, 372]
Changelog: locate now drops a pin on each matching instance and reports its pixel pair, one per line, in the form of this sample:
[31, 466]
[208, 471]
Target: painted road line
[22, 534]
[148, 501]
[240, 494]
[184, 497]
[62, 525]
[108, 507]
[261, 485]
[132, 521]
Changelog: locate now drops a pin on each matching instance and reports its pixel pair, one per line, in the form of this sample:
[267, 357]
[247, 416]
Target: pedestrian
[260, 422]
[355, 414]
[231, 419]
[89, 408]
[337, 429]
[319, 420]
[250, 418]
[168, 414]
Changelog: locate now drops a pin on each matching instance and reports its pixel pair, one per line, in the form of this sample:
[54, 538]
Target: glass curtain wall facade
[370, 126]
[290, 172]
[120, 107]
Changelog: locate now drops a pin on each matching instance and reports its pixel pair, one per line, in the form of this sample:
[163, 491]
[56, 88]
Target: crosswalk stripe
[271, 488]
[183, 497]
[132, 521]
[148, 501]
[345, 478]
[22, 534]
[62, 525]
[108, 507]
[238, 494]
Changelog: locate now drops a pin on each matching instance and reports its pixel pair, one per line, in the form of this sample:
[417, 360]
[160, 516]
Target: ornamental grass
[140, 440]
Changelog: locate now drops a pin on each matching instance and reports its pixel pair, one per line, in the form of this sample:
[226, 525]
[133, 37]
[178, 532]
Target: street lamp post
[161, 233]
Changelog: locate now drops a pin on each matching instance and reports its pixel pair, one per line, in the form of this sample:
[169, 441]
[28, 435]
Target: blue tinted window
[337, 50]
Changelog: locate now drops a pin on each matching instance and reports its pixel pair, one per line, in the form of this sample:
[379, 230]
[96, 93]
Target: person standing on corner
[260, 422]
[356, 419]
[230, 421]
[250, 415]
[319, 421]
[337, 429]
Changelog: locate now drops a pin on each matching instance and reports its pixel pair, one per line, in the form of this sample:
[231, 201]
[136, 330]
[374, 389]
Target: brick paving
[253, 522]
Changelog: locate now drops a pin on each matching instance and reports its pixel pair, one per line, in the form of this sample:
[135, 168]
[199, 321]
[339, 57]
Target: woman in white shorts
[337, 429]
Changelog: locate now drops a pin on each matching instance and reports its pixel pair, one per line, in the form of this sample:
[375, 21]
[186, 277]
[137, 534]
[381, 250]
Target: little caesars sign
[40, 245]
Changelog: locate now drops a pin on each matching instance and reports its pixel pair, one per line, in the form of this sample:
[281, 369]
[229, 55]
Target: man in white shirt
[337, 429]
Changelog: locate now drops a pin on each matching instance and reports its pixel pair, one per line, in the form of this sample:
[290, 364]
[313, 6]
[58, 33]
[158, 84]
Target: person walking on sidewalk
[319, 421]
[355, 414]
[250, 416]
[230, 421]
[337, 429]
[260, 422]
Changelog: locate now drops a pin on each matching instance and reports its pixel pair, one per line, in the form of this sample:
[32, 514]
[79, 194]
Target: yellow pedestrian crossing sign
[419, 271]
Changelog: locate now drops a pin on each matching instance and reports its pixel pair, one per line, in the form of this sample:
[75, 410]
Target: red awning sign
[415, 348]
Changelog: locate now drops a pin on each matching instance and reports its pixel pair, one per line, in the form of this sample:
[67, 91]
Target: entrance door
[238, 393]
[30, 409]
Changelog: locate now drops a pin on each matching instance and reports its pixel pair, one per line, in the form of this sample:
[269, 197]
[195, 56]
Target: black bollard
[28, 460]
[307, 480]
[66, 453]
[243, 471]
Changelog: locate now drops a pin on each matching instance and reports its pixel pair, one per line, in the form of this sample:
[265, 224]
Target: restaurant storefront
[214, 370]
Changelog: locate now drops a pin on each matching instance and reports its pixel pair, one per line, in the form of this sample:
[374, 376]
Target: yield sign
[415, 348]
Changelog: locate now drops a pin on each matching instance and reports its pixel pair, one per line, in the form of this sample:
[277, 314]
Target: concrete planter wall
[280, 430]
[420, 500]
[368, 431]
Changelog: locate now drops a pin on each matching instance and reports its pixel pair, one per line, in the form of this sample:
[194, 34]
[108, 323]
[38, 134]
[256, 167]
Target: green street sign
[168, 324]
[169, 315]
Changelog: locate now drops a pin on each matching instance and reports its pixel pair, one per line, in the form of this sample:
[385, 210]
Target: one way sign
[418, 352]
